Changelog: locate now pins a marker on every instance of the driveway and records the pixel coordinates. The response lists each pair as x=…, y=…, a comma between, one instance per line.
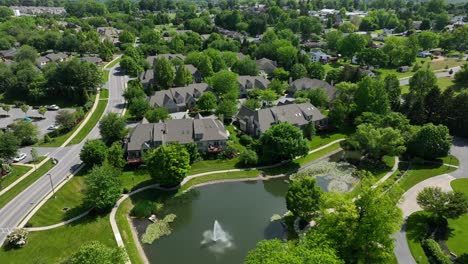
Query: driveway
x=42, y=125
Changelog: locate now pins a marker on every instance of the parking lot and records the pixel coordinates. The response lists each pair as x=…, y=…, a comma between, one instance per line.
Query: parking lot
x=42, y=125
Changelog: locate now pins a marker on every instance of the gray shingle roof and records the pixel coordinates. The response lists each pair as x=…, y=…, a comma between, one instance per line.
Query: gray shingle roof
x=307, y=84
x=266, y=65
x=253, y=81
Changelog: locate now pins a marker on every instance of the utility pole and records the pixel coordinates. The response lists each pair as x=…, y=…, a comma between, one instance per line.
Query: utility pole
x=51, y=184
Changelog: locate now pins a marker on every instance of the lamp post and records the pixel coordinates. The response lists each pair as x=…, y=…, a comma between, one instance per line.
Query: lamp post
x=51, y=184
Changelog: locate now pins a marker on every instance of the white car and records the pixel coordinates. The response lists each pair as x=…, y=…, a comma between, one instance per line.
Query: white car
x=53, y=127
x=53, y=107
x=20, y=157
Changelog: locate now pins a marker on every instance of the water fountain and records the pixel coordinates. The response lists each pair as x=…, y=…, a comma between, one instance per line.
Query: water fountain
x=217, y=240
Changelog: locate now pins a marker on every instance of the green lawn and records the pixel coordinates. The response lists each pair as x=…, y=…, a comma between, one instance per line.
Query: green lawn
x=415, y=231
x=113, y=63
x=421, y=172
x=93, y=120
x=450, y=159
x=220, y=176
x=69, y=196
x=104, y=94
x=17, y=171
x=105, y=76
x=126, y=232
x=443, y=84
x=39, y=160
x=458, y=241
x=323, y=138
x=213, y=165
x=13, y=192
x=56, y=245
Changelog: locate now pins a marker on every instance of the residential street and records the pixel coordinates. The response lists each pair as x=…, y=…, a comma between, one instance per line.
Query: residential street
x=68, y=160
x=408, y=202
x=405, y=81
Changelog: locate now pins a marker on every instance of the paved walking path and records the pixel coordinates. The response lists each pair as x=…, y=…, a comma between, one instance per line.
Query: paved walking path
x=389, y=174
x=42, y=228
x=6, y=189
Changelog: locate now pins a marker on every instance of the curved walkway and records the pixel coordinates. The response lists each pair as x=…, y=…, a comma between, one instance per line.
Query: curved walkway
x=409, y=205
x=42, y=228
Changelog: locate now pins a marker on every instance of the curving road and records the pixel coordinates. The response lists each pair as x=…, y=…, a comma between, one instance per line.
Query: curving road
x=409, y=205
x=18, y=208
x=438, y=74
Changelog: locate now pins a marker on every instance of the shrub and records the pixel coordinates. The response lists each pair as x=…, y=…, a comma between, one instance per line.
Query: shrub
x=145, y=209
x=47, y=139
x=248, y=157
x=434, y=252
x=18, y=238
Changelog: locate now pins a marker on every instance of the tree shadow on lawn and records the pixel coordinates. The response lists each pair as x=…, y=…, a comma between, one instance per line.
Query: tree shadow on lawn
x=421, y=225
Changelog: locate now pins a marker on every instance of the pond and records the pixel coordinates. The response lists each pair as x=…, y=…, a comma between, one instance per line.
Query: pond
x=242, y=212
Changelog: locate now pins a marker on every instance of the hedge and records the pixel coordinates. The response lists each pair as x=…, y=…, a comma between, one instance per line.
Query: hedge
x=434, y=252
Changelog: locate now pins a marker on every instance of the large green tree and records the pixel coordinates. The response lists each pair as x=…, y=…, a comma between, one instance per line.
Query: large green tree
x=303, y=198
x=9, y=145
x=157, y=114
x=103, y=187
x=115, y=155
x=163, y=73
x=206, y=102
x=112, y=128
x=422, y=82
x=352, y=44
x=168, y=165
x=374, y=143
x=96, y=252
x=283, y=142
x=442, y=204
x=25, y=131
x=94, y=152
x=431, y=142
x=393, y=89
x=245, y=66
x=371, y=96
x=224, y=84
x=461, y=77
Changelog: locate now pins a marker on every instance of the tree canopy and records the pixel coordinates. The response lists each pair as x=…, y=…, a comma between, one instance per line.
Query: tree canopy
x=103, y=187
x=168, y=165
x=283, y=142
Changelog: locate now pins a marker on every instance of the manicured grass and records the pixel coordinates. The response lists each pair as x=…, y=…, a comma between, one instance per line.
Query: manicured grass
x=460, y=185
x=458, y=239
x=126, y=232
x=70, y=196
x=104, y=94
x=13, y=192
x=93, y=120
x=213, y=165
x=17, y=171
x=450, y=159
x=311, y=157
x=110, y=65
x=326, y=137
x=133, y=179
x=39, y=160
x=105, y=76
x=444, y=83
x=421, y=172
x=220, y=176
x=441, y=64
x=58, y=141
x=56, y=245
x=415, y=231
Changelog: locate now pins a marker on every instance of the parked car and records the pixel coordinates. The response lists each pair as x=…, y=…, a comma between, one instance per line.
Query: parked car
x=53, y=107
x=53, y=127
x=20, y=157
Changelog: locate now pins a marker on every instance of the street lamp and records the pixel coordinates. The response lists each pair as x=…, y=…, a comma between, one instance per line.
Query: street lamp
x=51, y=184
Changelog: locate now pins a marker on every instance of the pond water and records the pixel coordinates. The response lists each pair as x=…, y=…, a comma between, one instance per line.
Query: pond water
x=242, y=212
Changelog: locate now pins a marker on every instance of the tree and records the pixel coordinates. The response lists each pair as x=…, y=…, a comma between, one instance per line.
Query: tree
x=9, y=145
x=227, y=108
x=94, y=152
x=157, y=114
x=24, y=108
x=138, y=107
x=25, y=131
x=65, y=120
x=287, y=56
x=372, y=57
x=252, y=103
x=401, y=51
x=115, y=157
x=205, y=66
x=422, y=82
x=298, y=71
x=182, y=76
x=374, y=143
x=333, y=39
x=103, y=187
x=206, y=102
x=96, y=252
x=268, y=96
x=315, y=70
x=278, y=86
x=225, y=82
x=316, y=96
x=428, y=40
x=245, y=66
x=5, y=12
x=393, y=89
x=352, y=44
x=283, y=142
x=26, y=53
x=163, y=73
x=248, y=157
x=431, y=142
x=442, y=204
x=168, y=165
x=303, y=198
x=193, y=152
x=112, y=128
x=42, y=110
x=34, y=155
x=6, y=108
x=280, y=73
x=130, y=66
x=126, y=37
x=371, y=96
x=461, y=77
